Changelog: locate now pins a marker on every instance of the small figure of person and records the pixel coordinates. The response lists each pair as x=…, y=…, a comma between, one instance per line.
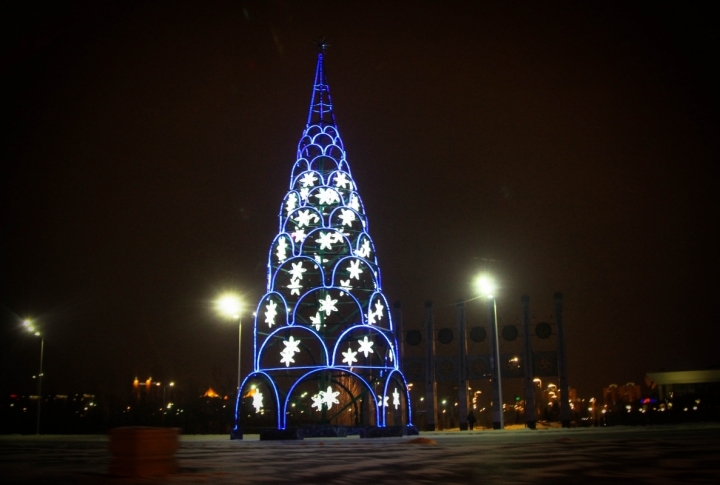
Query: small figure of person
x=471, y=420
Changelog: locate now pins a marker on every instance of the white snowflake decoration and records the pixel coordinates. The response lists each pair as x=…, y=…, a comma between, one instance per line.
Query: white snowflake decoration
x=298, y=235
x=325, y=241
x=327, y=196
x=383, y=401
x=365, y=346
x=379, y=309
x=317, y=401
x=370, y=317
x=354, y=269
x=308, y=179
x=291, y=348
x=316, y=321
x=396, y=398
x=327, y=398
x=330, y=397
x=291, y=203
x=345, y=285
x=341, y=180
x=305, y=217
x=294, y=286
x=257, y=401
x=304, y=192
x=354, y=202
x=281, y=251
x=349, y=356
x=270, y=313
x=297, y=271
x=327, y=305
x=364, y=251
x=347, y=216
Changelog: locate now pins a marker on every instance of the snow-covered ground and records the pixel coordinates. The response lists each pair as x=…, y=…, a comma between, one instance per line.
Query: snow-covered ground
x=638, y=455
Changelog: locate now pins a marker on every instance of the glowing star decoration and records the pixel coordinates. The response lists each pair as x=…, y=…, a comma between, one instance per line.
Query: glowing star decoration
x=294, y=286
x=298, y=235
x=316, y=321
x=308, y=179
x=365, y=346
x=329, y=397
x=304, y=192
x=354, y=202
x=347, y=217
x=345, y=285
x=291, y=348
x=317, y=401
x=326, y=239
x=396, y=398
x=328, y=305
x=327, y=196
x=370, y=317
x=281, y=251
x=383, y=401
x=257, y=401
x=270, y=313
x=291, y=203
x=349, y=356
x=341, y=181
x=304, y=217
x=354, y=269
x=297, y=271
x=364, y=251
x=379, y=309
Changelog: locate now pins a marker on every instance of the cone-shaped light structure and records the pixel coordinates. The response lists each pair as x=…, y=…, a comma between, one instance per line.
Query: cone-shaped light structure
x=325, y=352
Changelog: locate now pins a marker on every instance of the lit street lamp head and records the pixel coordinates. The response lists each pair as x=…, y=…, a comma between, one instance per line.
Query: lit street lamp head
x=229, y=305
x=485, y=286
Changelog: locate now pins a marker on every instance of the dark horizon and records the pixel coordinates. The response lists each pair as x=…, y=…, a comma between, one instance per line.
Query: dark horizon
x=561, y=147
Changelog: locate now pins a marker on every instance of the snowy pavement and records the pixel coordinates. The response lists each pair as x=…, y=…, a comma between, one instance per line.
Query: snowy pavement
x=638, y=455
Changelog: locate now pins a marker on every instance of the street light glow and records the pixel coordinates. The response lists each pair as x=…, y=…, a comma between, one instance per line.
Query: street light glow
x=485, y=286
x=229, y=305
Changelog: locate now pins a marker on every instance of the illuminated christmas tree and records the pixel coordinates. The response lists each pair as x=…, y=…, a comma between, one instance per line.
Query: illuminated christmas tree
x=324, y=348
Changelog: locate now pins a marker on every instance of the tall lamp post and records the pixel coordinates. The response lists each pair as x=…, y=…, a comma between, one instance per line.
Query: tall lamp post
x=487, y=288
x=28, y=324
x=229, y=305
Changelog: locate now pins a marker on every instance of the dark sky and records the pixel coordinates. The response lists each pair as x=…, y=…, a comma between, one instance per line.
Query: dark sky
x=148, y=146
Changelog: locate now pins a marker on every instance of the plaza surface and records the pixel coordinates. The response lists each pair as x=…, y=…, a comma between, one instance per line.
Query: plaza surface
x=639, y=455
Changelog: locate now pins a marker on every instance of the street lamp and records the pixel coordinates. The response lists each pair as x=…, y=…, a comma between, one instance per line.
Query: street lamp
x=486, y=287
x=29, y=326
x=164, y=409
x=229, y=305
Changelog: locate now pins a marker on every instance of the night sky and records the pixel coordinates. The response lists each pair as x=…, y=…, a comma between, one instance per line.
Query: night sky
x=561, y=146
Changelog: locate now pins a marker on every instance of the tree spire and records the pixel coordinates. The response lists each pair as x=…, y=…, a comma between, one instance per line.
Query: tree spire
x=321, y=112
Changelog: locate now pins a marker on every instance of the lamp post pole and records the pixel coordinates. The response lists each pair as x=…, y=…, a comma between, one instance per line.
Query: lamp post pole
x=498, y=420
x=40, y=376
x=239, y=352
